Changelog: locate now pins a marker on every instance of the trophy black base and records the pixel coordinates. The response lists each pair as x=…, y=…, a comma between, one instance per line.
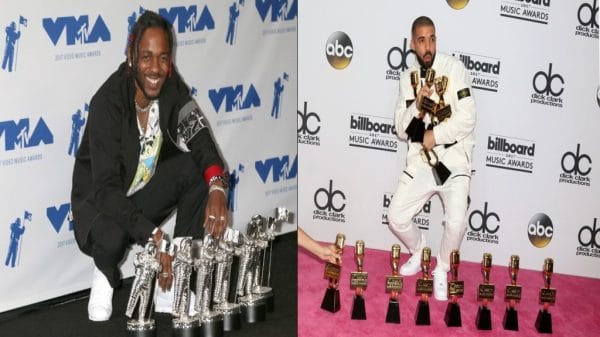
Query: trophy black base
x=232, y=321
x=484, y=319
x=212, y=328
x=543, y=323
x=393, y=312
x=141, y=333
x=270, y=299
x=187, y=332
x=422, y=316
x=254, y=312
x=452, y=316
x=331, y=300
x=511, y=319
x=358, y=308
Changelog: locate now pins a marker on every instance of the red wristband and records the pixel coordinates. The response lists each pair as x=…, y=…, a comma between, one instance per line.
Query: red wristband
x=211, y=171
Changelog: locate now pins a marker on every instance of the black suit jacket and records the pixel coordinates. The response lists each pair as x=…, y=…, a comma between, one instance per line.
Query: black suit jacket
x=108, y=156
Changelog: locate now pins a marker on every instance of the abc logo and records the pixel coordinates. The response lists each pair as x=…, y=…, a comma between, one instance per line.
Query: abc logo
x=540, y=230
x=339, y=50
x=457, y=4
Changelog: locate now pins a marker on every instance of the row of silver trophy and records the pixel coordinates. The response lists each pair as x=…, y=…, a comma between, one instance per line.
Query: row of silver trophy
x=212, y=259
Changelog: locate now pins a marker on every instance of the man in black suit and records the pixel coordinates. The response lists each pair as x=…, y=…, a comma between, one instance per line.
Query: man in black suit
x=146, y=151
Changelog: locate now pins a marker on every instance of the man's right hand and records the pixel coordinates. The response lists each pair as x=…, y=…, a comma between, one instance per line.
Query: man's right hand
x=423, y=92
x=165, y=276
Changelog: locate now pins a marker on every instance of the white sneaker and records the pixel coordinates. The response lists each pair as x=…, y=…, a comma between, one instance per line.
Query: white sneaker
x=440, y=284
x=413, y=265
x=100, y=304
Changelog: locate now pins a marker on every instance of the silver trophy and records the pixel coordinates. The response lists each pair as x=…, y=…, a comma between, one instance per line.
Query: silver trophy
x=146, y=266
x=253, y=305
x=267, y=236
x=211, y=321
x=232, y=313
x=183, y=323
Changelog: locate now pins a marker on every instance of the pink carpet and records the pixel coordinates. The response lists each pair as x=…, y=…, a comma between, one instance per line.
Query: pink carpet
x=576, y=313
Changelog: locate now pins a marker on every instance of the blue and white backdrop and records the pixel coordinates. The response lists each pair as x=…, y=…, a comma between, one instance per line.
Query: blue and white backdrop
x=239, y=59
x=534, y=70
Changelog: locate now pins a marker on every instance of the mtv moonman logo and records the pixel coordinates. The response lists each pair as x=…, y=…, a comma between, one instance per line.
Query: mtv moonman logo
x=17, y=230
x=11, y=48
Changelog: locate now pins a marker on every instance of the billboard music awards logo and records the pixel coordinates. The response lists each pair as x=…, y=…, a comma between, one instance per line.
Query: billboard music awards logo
x=548, y=87
x=510, y=153
x=76, y=31
x=540, y=230
x=278, y=86
x=189, y=20
x=422, y=219
x=11, y=47
x=234, y=98
x=373, y=132
x=483, y=226
x=589, y=240
x=17, y=230
x=277, y=11
x=232, y=192
x=576, y=167
x=309, y=125
x=339, y=50
x=537, y=11
x=280, y=169
x=77, y=122
x=587, y=18
x=18, y=136
x=61, y=217
x=397, y=60
x=484, y=70
x=329, y=204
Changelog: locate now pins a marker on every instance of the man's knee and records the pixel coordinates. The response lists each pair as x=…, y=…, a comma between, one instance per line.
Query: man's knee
x=399, y=221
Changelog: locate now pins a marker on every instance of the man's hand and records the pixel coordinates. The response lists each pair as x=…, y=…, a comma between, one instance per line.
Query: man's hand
x=423, y=92
x=165, y=277
x=215, y=215
x=428, y=140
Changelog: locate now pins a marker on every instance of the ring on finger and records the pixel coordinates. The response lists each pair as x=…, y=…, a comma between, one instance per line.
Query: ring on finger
x=222, y=218
x=211, y=217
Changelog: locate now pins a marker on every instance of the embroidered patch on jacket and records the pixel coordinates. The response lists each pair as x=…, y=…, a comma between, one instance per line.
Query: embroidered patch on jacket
x=462, y=93
x=191, y=121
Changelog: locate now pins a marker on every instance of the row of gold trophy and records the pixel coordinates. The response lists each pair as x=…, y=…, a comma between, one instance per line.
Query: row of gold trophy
x=424, y=288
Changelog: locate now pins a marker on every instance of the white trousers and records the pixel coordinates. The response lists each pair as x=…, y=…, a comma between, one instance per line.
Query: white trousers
x=414, y=189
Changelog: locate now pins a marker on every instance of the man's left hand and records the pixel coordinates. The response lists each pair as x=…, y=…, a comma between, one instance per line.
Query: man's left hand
x=215, y=215
x=428, y=140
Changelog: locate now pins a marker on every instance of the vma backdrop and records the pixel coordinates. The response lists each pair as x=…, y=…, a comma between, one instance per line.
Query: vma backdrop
x=533, y=66
x=239, y=59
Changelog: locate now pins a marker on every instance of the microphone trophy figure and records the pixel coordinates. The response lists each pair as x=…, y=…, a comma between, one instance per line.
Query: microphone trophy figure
x=232, y=313
x=146, y=266
x=211, y=321
x=393, y=285
x=543, y=323
x=331, y=300
x=456, y=289
x=183, y=324
x=485, y=294
x=512, y=295
x=358, y=281
x=253, y=306
x=424, y=289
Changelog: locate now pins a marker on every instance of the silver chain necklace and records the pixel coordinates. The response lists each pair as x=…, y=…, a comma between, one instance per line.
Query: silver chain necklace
x=138, y=108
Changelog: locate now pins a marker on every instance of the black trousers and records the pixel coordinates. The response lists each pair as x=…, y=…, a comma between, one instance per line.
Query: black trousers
x=177, y=184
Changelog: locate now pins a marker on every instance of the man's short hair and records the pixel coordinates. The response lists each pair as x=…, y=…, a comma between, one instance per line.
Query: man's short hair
x=421, y=21
x=147, y=20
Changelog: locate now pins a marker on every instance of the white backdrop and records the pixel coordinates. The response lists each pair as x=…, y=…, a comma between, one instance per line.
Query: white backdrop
x=62, y=53
x=534, y=70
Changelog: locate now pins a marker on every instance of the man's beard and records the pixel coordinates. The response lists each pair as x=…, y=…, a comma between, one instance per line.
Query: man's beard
x=422, y=62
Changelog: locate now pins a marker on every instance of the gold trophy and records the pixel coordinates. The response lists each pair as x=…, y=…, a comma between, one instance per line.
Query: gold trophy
x=456, y=289
x=331, y=300
x=427, y=105
x=512, y=295
x=393, y=285
x=424, y=289
x=485, y=294
x=358, y=281
x=442, y=111
x=414, y=81
x=543, y=323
